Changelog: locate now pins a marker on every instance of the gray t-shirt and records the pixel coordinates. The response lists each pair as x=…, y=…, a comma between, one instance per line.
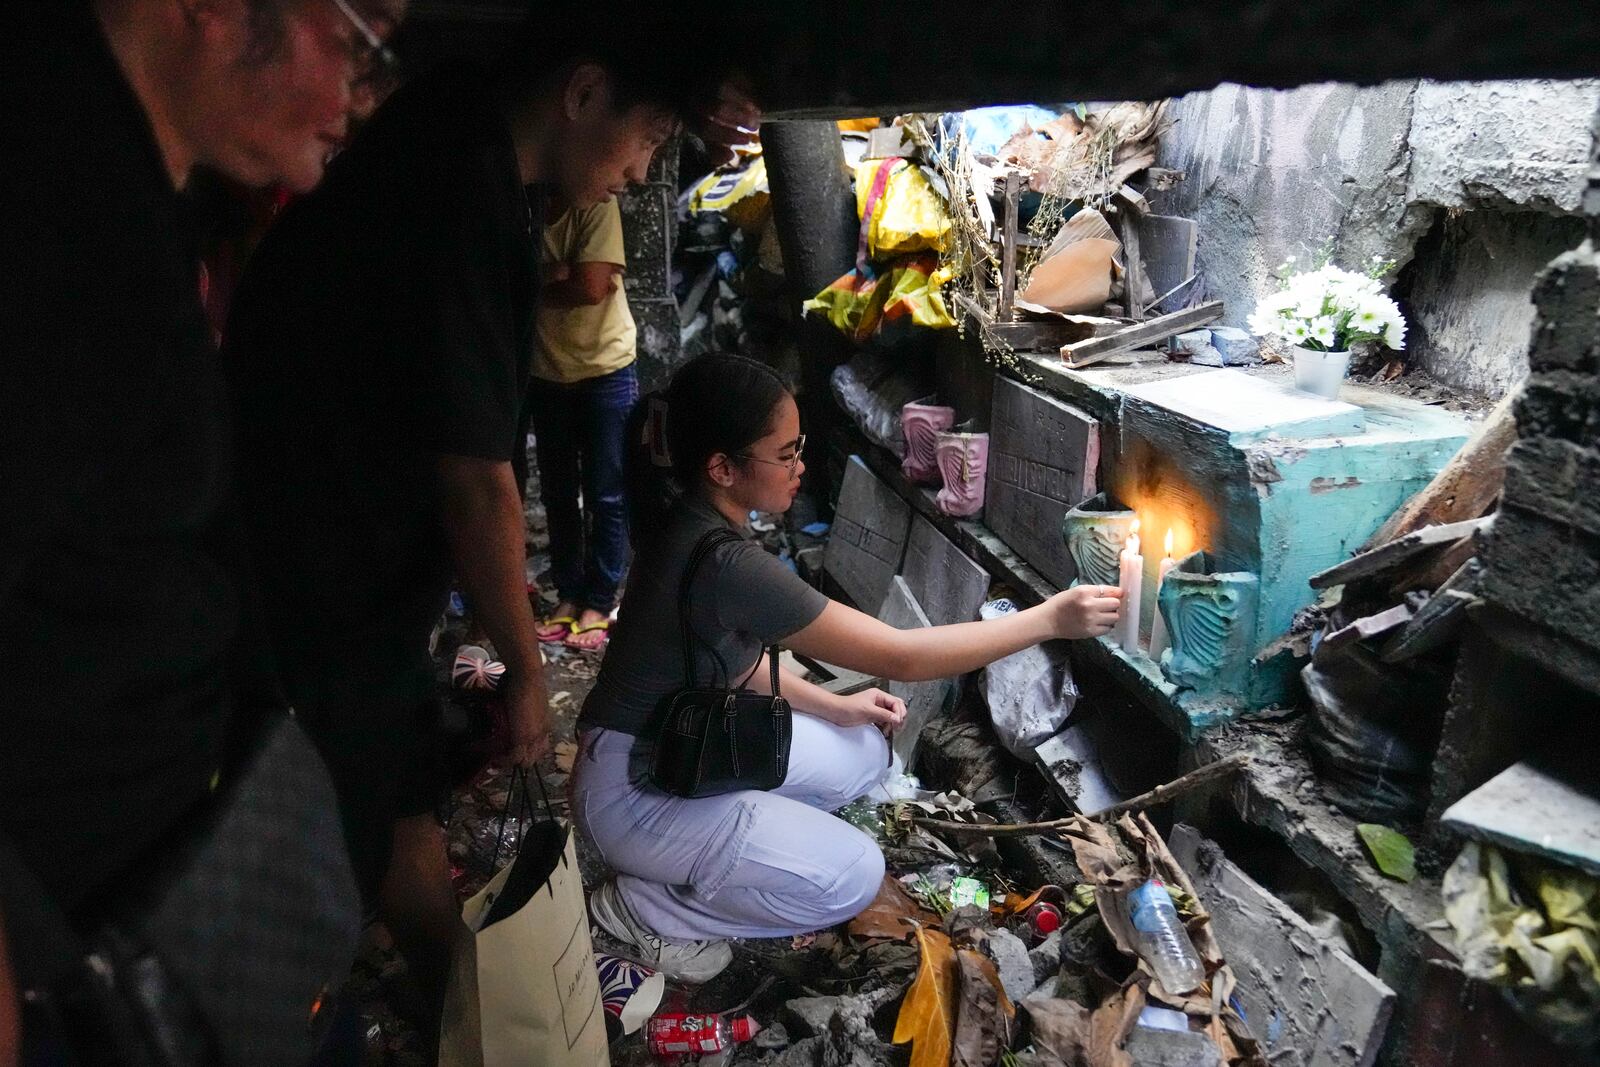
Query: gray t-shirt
x=743, y=598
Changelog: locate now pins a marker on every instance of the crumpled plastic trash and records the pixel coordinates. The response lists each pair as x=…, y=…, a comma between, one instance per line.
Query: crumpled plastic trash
x=1534, y=928
x=1030, y=693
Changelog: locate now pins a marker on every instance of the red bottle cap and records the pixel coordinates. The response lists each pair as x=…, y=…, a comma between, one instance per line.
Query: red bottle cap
x=744, y=1028
x=1045, y=918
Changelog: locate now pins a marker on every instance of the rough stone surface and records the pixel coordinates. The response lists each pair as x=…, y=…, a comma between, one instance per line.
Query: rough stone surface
x=1308, y=1001
x=1012, y=960
x=1236, y=346
x=1368, y=171
x=649, y=224
x=1148, y=1047
x=868, y=537
x=809, y=1016
x=1044, y=455
x=1046, y=958
x=948, y=584
x=1206, y=355
x=1468, y=294
x=1191, y=341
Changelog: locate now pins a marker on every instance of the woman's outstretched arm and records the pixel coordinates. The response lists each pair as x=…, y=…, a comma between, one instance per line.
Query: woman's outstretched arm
x=849, y=638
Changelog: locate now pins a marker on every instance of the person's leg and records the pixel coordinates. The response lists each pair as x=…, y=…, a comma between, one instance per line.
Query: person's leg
x=555, y=429
x=608, y=401
x=748, y=864
x=418, y=904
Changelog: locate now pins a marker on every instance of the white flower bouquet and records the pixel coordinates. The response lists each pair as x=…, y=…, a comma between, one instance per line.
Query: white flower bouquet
x=1327, y=309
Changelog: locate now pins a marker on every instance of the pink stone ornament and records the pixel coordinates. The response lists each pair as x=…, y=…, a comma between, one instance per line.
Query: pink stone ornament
x=921, y=424
x=964, y=464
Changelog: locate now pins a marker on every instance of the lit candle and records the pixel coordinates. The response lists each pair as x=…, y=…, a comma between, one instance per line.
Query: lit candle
x=1132, y=582
x=1158, y=625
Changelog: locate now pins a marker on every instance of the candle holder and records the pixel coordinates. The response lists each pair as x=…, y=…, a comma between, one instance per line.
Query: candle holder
x=1210, y=617
x=921, y=425
x=1095, y=532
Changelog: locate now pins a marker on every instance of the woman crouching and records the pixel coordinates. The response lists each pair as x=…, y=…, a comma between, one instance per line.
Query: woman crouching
x=692, y=873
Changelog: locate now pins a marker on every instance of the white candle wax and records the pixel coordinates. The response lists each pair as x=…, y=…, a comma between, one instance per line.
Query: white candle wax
x=1158, y=625
x=1132, y=583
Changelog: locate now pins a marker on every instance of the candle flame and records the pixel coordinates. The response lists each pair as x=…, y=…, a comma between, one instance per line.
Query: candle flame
x=1169, y=542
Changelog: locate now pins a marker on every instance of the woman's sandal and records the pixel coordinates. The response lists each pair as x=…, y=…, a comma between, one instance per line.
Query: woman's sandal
x=560, y=636
x=604, y=626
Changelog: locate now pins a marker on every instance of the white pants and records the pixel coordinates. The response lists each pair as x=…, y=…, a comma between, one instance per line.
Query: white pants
x=746, y=864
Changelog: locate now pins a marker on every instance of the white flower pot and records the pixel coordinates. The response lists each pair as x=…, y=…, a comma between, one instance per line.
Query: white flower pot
x=1321, y=373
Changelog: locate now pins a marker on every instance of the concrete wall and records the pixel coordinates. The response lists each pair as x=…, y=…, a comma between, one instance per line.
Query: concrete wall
x=1275, y=173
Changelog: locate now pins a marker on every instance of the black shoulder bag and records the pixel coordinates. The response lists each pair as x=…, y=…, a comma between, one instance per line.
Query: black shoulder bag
x=719, y=740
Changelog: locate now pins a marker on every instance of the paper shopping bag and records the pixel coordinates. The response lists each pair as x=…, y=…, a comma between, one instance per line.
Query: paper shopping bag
x=523, y=989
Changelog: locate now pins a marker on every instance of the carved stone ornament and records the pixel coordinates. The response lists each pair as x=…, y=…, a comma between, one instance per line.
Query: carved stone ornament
x=1095, y=532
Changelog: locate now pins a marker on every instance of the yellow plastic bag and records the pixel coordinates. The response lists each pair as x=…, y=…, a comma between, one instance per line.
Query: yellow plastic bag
x=742, y=195
x=865, y=302
x=899, y=209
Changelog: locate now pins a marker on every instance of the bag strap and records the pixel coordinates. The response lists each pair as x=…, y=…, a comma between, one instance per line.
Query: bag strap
x=708, y=543
x=519, y=777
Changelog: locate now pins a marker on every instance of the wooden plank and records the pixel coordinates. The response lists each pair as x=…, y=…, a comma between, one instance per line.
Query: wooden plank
x=1133, y=262
x=1386, y=558
x=1440, y=619
x=1083, y=353
x=1008, y=248
x=1371, y=626
x=1308, y=1002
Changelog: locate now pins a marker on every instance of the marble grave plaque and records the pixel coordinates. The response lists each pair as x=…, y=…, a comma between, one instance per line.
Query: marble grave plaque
x=868, y=536
x=1044, y=455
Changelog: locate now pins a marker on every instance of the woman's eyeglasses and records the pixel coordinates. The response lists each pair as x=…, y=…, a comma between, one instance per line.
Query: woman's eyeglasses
x=791, y=461
x=375, y=62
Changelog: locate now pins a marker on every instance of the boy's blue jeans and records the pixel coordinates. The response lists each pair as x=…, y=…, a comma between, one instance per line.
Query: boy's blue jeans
x=578, y=431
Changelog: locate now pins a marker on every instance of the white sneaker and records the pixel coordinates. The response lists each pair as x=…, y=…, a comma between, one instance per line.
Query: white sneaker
x=686, y=961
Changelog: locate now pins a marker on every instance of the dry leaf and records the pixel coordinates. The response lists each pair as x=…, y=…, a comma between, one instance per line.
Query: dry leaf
x=558, y=699
x=893, y=914
x=983, y=1019
x=928, y=1015
x=802, y=941
x=1110, y=1025
x=565, y=753
x=1060, y=1027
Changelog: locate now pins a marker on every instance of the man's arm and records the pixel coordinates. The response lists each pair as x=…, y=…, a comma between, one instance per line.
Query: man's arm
x=483, y=520
x=574, y=285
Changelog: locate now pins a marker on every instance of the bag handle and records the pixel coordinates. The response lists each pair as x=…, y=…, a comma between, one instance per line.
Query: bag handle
x=519, y=776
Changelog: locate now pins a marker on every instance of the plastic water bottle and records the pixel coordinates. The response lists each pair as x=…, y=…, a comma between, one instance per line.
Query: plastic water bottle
x=1163, y=942
x=676, y=1034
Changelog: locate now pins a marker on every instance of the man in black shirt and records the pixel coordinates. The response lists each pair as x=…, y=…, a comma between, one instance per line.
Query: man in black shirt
x=380, y=344
x=119, y=595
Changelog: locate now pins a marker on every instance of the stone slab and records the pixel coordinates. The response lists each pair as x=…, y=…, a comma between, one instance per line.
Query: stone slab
x=1248, y=408
x=1071, y=763
x=1044, y=456
x=1537, y=809
x=925, y=701
x=947, y=582
x=1309, y=1003
x=1149, y=1047
x=868, y=538
x=1167, y=246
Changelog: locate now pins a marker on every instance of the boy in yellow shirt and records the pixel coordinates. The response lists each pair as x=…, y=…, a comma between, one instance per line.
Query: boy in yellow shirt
x=584, y=387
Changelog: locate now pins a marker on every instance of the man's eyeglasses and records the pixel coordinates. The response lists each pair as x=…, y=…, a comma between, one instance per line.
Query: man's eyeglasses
x=791, y=461
x=375, y=62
